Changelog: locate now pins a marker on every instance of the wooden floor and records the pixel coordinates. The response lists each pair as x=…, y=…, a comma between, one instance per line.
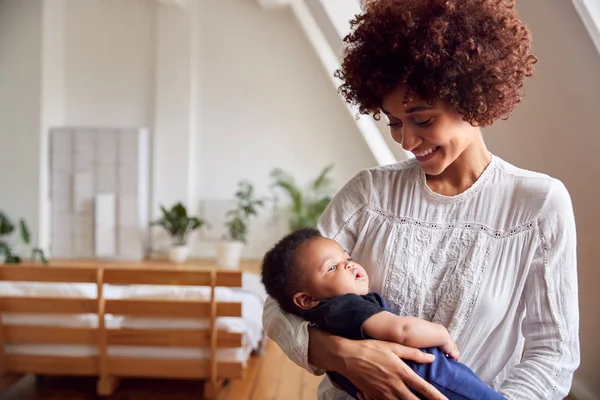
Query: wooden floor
x=270, y=377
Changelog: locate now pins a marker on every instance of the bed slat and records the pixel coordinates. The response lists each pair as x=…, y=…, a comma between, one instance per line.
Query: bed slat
x=229, y=279
x=157, y=308
x=229, y=340
x=46, y=274
x=30, y=334
x=48, y=305
x=52, y=365
x=229, y=309
x=230, y=370
x=157, y=368
x=171, y=338
x=171, y=368
x=170, y=308
x=157, y=277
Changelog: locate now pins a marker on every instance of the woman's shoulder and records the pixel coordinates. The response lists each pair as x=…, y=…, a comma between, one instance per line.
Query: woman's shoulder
x=539, y=190
x=370, y=185
x=384, y=176
x=409, y=164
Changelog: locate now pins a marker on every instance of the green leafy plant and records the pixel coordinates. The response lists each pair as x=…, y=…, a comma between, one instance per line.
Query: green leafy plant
x=178, y=223
x=306, y=205
x=7, y=228
x=247, y=205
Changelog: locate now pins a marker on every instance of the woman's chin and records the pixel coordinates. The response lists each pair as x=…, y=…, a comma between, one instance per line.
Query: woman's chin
x=433, y=167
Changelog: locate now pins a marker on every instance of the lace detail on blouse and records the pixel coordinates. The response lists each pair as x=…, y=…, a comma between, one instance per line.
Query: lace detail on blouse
x=435, y=270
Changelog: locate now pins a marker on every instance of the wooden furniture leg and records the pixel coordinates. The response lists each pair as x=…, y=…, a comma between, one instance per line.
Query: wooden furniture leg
x=107, y=385
x=8, y=380
x=211, y=385
x=212, y=389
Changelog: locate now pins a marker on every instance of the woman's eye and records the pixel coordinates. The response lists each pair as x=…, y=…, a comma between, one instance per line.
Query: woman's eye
x=424, y=123
x=333, y=268
x=394, y=124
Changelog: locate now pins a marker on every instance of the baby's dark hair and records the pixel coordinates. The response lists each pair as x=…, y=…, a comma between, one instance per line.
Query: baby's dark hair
x=279, y=273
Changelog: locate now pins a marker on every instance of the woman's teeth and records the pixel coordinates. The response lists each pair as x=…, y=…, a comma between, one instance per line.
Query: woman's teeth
x=426, y=152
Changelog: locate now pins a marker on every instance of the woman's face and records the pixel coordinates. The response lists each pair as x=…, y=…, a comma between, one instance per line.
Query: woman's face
x=435, y=134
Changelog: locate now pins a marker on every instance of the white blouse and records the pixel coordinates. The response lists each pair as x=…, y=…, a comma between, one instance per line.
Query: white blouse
x=495, y=264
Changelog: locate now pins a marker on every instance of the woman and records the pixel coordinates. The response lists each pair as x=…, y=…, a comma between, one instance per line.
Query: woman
x=456, y=235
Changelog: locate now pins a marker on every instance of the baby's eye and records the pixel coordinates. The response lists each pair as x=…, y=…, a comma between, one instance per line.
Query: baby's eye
x=333, y=268
x=349, y=259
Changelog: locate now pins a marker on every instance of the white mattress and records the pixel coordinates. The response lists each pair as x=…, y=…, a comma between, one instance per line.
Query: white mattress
x=251, y=295
x=240, y=354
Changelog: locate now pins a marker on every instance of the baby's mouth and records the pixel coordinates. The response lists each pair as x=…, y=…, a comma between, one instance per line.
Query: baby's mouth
x=358, y=275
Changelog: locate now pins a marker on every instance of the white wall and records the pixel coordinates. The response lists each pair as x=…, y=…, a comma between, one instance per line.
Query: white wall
x=20, y=102
x=176, y=111
x=52, y=101
x=556, y=131
x=110, y=62
x=266, y=102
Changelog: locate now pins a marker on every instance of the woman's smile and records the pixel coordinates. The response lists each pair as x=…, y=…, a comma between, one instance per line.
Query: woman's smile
x=426, y=155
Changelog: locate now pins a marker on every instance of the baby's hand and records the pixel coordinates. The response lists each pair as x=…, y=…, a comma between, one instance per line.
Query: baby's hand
x=451, y=349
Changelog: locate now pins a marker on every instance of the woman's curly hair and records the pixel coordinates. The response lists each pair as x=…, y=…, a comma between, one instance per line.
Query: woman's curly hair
x=473, y=55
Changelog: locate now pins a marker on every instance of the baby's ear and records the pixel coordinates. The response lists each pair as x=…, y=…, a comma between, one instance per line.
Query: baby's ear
x=304, y=301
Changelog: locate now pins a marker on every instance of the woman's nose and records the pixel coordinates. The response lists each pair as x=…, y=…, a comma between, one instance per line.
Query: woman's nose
x=409, y=140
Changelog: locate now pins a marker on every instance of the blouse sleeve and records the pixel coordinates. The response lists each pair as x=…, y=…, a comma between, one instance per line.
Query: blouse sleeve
x=338, y=221
x=551, y=323
x=289, y=331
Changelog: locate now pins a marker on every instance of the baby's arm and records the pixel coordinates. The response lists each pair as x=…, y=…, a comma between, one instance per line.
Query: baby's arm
x=410, y=331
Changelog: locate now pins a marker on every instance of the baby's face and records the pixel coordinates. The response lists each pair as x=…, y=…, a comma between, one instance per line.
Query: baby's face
x=329, y=271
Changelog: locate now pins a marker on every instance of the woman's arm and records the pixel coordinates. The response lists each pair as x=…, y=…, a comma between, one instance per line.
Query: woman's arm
x=375, y=367
x=551, y=324
x=290, y=332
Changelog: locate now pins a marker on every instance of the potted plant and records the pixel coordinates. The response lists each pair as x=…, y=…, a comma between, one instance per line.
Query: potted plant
x=7, y=254
x=230, y=249
x=179, y=225
x=306, y=205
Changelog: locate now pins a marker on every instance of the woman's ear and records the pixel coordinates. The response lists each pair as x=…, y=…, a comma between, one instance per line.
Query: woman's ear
x=304, y=301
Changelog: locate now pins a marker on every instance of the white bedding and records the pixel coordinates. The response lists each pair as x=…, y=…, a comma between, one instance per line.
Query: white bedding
x=251, y=295
x=239, y=354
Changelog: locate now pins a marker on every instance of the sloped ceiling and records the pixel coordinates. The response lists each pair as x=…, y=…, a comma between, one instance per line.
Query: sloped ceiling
x=589, y=11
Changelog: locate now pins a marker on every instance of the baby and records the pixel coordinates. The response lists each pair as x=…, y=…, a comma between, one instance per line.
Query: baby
x=314, y=277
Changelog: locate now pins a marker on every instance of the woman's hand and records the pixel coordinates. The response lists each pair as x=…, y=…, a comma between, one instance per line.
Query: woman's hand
x=377, y=371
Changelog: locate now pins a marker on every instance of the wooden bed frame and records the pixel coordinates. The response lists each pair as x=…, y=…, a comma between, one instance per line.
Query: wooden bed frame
x=109, y=369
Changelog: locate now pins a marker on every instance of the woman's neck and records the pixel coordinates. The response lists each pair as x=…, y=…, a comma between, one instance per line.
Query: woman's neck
x=464, y=171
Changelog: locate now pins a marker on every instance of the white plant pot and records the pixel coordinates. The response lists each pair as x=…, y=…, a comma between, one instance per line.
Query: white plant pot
x=178, y=254
x=229, y=254
x=2, y=259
